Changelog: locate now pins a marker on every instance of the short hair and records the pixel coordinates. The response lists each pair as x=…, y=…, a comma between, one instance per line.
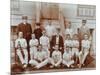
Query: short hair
x=24, y=17
x=58, y=29
x=38, y=24
x=69, y=22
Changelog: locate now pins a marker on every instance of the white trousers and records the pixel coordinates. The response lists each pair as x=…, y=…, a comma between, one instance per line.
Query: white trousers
x=75, y=51
x=68, y=63
x=55, y=63
x=24, y=60
x=82, y=56
x=33, y=51
x=39, y=64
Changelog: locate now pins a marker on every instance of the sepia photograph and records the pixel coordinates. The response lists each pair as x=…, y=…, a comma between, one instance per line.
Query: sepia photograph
x=52, y=37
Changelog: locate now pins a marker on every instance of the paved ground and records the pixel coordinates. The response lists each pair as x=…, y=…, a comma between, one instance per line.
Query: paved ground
x=90, y=64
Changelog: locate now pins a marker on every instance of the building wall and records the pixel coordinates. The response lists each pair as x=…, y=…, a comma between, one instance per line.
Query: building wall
x=69, y=11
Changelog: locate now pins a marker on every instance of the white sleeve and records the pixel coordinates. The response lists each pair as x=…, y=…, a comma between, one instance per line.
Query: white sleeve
x=77, y=44
x=37, y=42
x=25, y=43
x=65, y=43
x=40, y=40
x=60, y=55
x=82, y=43
x=63, y=55
x=30, y=43
x=89, y=44
x=16, y=44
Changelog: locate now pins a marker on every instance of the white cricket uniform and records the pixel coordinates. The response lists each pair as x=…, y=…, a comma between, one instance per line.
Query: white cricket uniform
x=85, y=50
x=42, y=56
x=69, y=31
x=75, y=50
x=44, y=41
x=23, y=45
x=33, y=47
x=56, y=58
x=67, y=58
x=68, y=43
x=50, y=30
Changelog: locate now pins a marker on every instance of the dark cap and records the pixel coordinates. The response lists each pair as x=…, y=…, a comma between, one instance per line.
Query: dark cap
x=84, y=21
x=24, y=17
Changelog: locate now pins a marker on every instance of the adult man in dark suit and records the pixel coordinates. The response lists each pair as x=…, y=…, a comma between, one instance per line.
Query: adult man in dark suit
x=57, y=40
x=25, y=27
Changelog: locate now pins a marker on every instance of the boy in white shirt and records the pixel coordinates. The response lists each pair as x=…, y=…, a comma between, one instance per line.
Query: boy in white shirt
x=44, y=40
x=50, y=29
x=33, y=43
x=21, y=48
x=75, y=48
x=56, y=57
x=68, y=41
x=69, y=30
x=85, y=43
x=67, y=57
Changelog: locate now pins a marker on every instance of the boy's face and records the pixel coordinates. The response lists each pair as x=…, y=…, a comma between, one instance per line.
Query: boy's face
x=69, y=25
x=33, y=36
x=58, y=32
x=75, y=37
x=24, y=20
x=68, y=36
x=20, y=34
x=39, y=48
x=86, y=37
x=67, y=49
x=44, y=32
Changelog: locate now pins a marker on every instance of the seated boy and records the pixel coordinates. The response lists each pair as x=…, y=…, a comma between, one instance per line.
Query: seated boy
x=33, y=46
x=67, y=57
x=40, y=59
x=56, y=57
x=21, y=48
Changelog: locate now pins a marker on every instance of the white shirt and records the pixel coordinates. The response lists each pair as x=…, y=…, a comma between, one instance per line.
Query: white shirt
x=40, y=55
x=22, y=42
x=56, y=55
x=86, y=44
x=44, y=40
x=57, y=39
x=68, y=43
x=50, y=30
x=33, y=42
x=75, y=43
